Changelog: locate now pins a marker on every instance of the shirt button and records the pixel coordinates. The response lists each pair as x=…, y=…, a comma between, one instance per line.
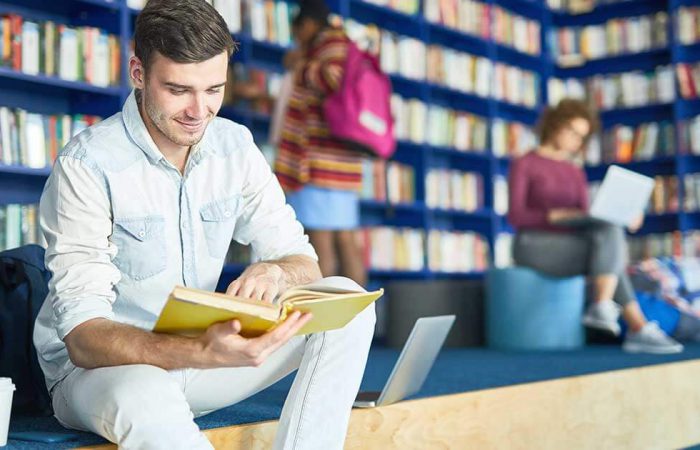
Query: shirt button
x=142, y=234
x=227, y=214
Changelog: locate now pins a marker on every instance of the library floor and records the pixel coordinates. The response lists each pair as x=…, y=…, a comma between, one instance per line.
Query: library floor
x=455, y=371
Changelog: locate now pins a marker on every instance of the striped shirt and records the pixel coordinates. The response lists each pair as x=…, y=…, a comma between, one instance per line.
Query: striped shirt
x=308, y=154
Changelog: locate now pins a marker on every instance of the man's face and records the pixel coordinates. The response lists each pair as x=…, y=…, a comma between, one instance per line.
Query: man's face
x=181, y=99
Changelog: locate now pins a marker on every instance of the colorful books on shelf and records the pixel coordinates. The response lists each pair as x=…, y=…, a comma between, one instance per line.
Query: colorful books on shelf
x=388, y=248
x=616, y=91
x=454, y=190
x=624, y=144
x=511, y=139
x=85, y=54
x=687, y=25
x=689, y=135
x=688, y=75
x=33, y=140
x=418, y=122
x=663, y=244
x=500, y=195
x=515, y=31
x=691, y=192
x=503, y=250
x=405, y=6
x=19, y=225
x=486, y=22
x=388, y=181
x=268, y=20
x=468, y=16
x=629, y=35
x=265, y=85
x=457, y=252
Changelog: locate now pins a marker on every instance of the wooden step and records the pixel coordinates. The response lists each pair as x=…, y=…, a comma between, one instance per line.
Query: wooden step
x=653, y=407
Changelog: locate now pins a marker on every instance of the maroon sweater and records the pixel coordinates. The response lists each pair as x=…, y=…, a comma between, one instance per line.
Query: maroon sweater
x=538, y=185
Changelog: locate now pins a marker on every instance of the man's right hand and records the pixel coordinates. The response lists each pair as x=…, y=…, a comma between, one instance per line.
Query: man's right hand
x=224, y=347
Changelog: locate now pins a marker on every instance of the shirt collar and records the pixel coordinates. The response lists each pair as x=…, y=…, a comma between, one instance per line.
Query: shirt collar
x=142, y=138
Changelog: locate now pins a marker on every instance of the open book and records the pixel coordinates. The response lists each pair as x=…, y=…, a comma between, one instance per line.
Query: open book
x=333, y=301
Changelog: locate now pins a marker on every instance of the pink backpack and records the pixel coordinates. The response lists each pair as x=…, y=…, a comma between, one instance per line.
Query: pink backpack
x=359, y=112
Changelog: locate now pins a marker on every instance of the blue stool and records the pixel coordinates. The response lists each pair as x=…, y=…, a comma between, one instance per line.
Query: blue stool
x=526, y=310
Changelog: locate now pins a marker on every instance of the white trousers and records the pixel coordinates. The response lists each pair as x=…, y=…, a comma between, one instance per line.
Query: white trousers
x=146, y=407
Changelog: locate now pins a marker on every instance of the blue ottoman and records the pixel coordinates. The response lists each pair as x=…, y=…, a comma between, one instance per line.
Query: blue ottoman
x=526, y=310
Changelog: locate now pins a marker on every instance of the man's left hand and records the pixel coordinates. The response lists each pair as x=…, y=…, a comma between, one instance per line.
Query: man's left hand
x=260, y=281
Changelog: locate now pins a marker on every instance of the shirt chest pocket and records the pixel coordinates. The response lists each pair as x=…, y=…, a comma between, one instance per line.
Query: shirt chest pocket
x=141, y=246
x=218, y=221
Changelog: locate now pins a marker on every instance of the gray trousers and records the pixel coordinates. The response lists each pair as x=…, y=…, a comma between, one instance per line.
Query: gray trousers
x=596, y=249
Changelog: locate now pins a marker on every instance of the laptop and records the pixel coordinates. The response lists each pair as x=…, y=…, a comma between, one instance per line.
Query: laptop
x=621, y=198
x=414, y=363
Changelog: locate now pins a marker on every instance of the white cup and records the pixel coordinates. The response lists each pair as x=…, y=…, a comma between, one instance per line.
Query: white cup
x=6, y=391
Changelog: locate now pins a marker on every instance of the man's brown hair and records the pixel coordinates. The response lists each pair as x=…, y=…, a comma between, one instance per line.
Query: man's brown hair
x=553, y=120
x=185, y=31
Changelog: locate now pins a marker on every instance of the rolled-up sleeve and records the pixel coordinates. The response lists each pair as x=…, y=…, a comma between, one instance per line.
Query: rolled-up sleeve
x=265, y=221
x=76, y=221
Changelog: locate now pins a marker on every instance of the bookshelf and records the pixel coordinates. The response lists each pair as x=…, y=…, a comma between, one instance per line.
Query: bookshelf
x=51, y=95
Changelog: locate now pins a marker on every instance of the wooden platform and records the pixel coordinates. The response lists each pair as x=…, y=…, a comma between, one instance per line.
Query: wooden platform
x=654, y=407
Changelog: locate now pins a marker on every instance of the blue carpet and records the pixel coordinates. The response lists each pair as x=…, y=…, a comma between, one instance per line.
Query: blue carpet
x=456, y=370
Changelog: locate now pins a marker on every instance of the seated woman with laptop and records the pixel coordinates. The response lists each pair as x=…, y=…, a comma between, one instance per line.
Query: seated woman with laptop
x=548, y=195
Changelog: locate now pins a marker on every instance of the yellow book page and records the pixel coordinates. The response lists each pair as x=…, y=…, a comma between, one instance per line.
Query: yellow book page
x=192, y=319
x=330, y=314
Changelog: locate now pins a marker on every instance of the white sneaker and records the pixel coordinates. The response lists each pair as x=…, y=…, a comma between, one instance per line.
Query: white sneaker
x=603, y=315
x=651, y=339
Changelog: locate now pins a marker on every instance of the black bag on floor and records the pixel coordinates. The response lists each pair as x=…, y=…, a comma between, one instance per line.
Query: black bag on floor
x=23, y=288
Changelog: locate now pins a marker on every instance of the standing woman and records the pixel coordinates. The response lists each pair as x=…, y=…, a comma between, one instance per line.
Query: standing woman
x=547, y=187
x=320, y=174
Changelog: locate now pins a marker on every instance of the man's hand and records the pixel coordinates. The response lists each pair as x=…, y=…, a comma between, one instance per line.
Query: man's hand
x=224, y=347
x=261, y=281
x=560, y=214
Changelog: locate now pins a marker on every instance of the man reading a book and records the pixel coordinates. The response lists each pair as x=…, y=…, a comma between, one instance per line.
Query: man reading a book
x=148, y=199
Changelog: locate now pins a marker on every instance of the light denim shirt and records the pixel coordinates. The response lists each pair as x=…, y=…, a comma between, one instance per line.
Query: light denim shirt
x=123, y=226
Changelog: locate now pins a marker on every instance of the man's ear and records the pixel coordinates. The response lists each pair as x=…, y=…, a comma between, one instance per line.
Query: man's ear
x=137, y=73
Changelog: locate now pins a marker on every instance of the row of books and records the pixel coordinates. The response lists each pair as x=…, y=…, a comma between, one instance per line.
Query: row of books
x=688, y=79
x=454, y=189
x=622, y=90
x=263, y=20
x=580, y=6
x=624, y=144
x=19, y=225
x=390, y=181
x=689, y=135
x=503, y=250
x=412, y=58
x=267, y=84
x=418, y=122
x=574, y=45
x=487, y=22
x=33, y=140
x=511, y=139
x=481, y=76
x=664, y=197
x=387, y=248
x=691, y=192
x=410, y=7
x=687, y=24
x=660, y=244
x=85, y=54
x=500, y=195
x=457, y=252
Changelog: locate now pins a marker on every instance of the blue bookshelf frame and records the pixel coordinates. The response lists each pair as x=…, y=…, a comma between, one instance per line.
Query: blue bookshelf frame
x=52, y=95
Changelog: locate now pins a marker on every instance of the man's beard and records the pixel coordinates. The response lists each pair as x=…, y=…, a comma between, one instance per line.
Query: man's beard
x=162, y=123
